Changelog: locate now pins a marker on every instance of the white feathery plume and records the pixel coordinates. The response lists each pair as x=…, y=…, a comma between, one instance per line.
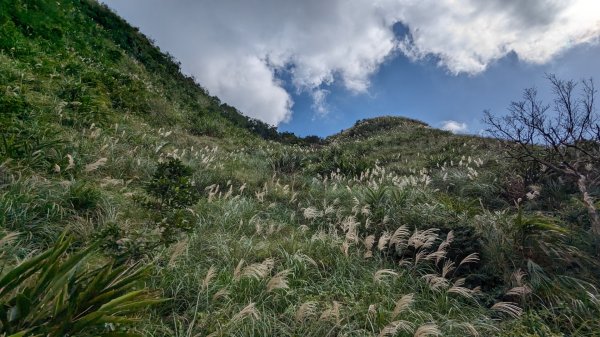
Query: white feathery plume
x=447, y=268
x=329, y=210
x=381, y=273
x=311, y=213
x=437, y=256
x=95, y=165
x=345, y=247
x=519, y=291
x=400, y=235
x=369, y=241
x=420, y=255
x=402, y=304
x=248, y=311
x=392, y=328
x=210, y=274
x=258, y=270
x=383, y=240
x=356, y=206
x=435, y=281
x=279, y=281
x=457, y=288
x=372, y=311
x=306, y=310
x=305, y=258
x=71, y=162
x=428, y=329
x=471, y=258
x=222, y=293
x=509, y=308
x=333, y=312
x=178, y=250
x=237, y=272
x=518, y=276
x=470, y=328
x=446, y=243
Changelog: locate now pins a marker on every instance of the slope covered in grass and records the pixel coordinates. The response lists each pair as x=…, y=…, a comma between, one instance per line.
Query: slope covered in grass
x=390, y=228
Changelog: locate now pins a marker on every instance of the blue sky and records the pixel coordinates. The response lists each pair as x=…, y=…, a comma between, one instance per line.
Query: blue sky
x=315, y=67
x=425, y=91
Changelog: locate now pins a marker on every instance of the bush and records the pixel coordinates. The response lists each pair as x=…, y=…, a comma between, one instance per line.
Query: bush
x=83, y=197
x=201, y=125
x=286, y=162
x=171, y=185
x=336, y=159
x=172, y=190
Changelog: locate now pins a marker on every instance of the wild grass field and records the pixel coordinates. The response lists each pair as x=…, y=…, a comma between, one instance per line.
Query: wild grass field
x=134, y=203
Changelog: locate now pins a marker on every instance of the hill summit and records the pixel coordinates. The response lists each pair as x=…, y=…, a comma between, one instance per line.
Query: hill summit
x=372, y=126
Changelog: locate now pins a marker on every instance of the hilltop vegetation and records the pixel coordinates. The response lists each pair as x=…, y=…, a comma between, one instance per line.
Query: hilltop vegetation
x=111, y=159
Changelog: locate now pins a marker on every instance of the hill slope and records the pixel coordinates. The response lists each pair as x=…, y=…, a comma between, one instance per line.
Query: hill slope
x=390, y=228
x=80, y=58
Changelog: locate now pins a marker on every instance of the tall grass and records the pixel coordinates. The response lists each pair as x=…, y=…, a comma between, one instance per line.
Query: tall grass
x=390, y=228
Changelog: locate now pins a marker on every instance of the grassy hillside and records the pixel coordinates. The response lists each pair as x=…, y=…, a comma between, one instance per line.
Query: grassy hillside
x=113, y=160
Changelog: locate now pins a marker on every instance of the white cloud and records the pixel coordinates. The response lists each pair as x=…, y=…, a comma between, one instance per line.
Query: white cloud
x=319, y=97
x=248, y=83
x=236, y=47
x=469, y=35
x=454, y=126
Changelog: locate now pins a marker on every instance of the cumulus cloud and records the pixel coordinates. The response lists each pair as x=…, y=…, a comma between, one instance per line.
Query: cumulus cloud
x=234, y=48
x=237, y=48
x=467, y=37
x=248, y=83
x=454, y=126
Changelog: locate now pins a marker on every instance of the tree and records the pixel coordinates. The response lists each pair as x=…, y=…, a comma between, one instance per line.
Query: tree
x=563, y=136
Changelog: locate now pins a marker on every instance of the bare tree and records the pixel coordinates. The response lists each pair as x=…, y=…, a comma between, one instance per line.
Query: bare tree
x=563, y=136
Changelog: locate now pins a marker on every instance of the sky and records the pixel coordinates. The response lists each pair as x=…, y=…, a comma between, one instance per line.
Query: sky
x=315, y=67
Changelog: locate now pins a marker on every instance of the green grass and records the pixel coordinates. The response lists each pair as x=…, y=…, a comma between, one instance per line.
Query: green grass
x=278, y=239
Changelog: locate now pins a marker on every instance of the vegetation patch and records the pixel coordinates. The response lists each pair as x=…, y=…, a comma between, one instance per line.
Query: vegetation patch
x=390, y=228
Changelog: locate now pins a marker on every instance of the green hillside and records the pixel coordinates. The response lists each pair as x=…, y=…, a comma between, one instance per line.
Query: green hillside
x=132, y=201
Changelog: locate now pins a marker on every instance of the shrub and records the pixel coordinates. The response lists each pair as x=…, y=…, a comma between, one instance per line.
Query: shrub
x=378, y=200
x=83, y=197
x=171, y=185
x=172, y=190
x=205, y=126
x=286, y=162
x=336, y=159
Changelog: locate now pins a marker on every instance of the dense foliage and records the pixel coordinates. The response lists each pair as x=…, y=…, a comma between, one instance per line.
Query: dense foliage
x=390, y=228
